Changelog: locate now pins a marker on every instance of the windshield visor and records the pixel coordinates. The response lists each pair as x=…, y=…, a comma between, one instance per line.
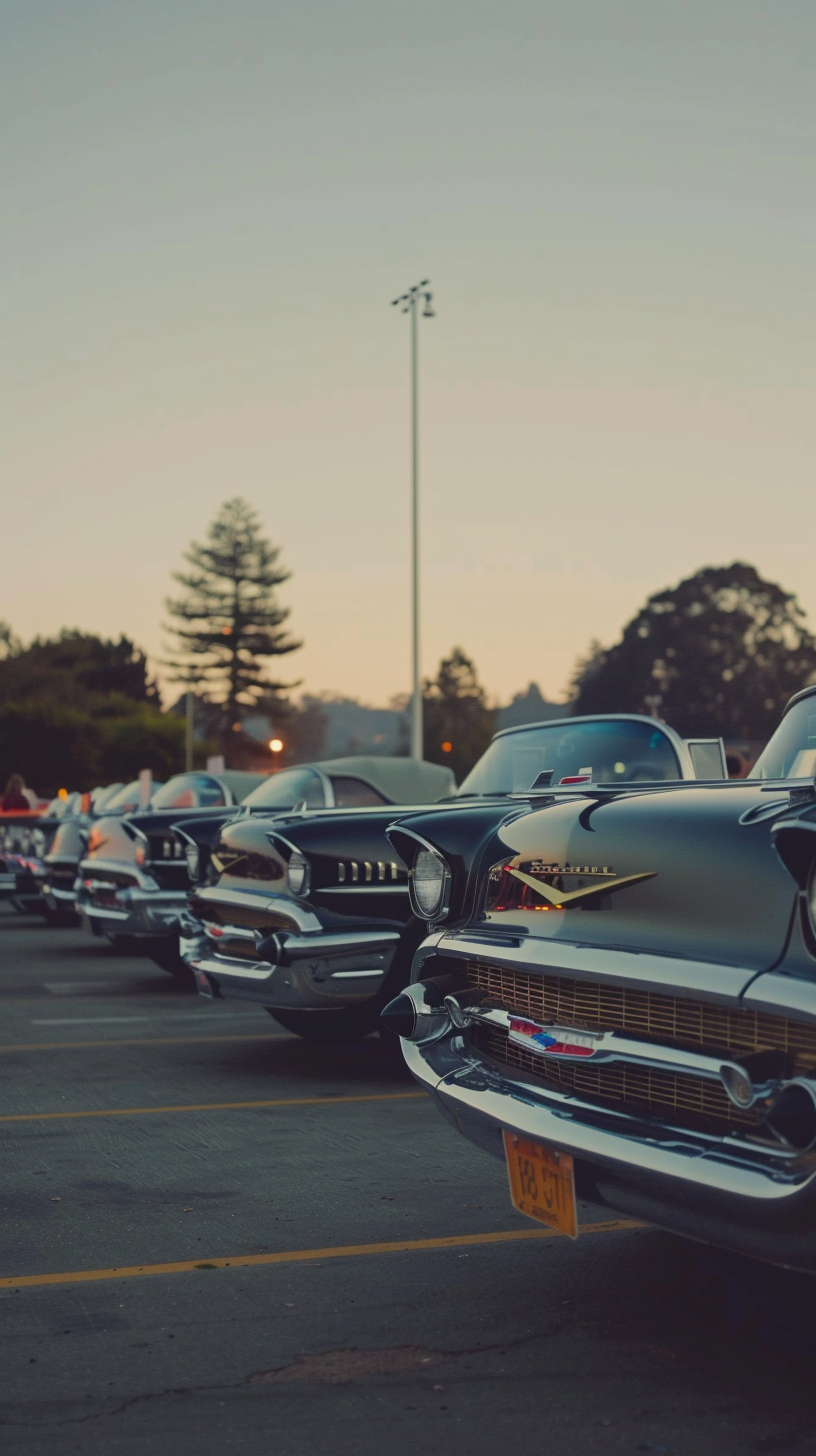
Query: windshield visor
x=626, y=751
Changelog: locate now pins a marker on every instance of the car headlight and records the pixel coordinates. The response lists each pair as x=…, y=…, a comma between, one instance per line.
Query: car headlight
x=430, y=886
x=298, y=873
x=811, y=897
x=193, y=858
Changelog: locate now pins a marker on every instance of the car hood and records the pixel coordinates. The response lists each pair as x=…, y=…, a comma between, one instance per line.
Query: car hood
x=689, y=873
x=108, y=839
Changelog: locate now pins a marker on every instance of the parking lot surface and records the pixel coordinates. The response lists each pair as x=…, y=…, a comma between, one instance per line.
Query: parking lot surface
x=217, y=1238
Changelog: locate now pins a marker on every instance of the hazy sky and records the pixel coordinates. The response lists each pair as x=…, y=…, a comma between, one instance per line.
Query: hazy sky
x=206, y=211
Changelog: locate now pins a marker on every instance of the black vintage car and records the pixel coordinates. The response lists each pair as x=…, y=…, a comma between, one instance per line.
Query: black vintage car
x=309, y=915
x=25, y=840
x=618, y=996
x=137, y=870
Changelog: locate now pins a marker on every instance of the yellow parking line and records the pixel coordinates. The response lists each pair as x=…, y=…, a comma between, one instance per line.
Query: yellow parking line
x=47, y=1046
x=296, y=1256
x=211, y=1106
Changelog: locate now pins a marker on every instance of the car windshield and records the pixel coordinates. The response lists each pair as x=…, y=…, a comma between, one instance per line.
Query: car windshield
x=124, y=800
x=190, y=791
x=609, y=751
x=791, y=753
x=284, y=790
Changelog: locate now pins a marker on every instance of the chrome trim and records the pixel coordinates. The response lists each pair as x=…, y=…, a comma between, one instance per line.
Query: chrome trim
x=355, y=975
x=343, y=889
x=342, y=942
x=615, y=1046
x=305, y=921
x=481, y=1101
x=91, y=867
x=229, y=932
x=301, y=972
x=233, y=966
x=682, y=978
x=447, y=883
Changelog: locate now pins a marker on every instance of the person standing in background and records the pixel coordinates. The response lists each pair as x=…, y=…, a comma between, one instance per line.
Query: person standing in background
x=15, y=796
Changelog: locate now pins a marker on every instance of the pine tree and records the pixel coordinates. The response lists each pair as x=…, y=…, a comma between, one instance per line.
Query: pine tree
x=228, y=622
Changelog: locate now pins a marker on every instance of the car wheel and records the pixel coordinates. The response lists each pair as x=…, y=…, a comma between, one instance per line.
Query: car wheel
x=328, y=1027
x=165, y=954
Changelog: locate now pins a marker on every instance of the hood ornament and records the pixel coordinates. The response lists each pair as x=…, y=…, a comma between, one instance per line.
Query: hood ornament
x=559, y=899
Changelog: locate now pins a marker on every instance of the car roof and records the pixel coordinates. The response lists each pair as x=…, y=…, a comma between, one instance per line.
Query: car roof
x=403, y=780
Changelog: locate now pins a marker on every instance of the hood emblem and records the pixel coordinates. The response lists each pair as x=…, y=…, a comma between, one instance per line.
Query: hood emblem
x=561, y=898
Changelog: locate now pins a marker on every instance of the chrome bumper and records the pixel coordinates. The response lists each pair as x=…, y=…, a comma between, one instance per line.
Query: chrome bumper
x=754, y=1198
x=306, y=968
x=136, y=912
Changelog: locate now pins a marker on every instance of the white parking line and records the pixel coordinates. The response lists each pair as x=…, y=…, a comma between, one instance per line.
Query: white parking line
x=78, y=988
x=85, y=1020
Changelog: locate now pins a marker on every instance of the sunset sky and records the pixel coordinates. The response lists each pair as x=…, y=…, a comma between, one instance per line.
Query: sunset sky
x=207, y=208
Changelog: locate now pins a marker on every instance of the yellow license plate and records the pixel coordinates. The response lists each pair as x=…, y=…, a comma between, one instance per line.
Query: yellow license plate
x=542, y=1183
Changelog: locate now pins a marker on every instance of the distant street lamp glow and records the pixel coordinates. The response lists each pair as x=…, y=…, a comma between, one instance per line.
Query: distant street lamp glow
x=276, y=745
x=447, y=747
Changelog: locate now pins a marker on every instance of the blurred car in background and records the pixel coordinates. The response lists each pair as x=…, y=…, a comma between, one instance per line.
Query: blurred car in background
x=24, y=839
x=55, y=873
x=135, y=878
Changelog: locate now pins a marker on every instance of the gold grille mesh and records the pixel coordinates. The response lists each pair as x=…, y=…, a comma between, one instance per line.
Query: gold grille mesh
x=649, y=1013
x=691, y=1100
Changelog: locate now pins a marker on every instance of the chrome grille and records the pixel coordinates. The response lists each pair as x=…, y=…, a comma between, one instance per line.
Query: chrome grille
x=244, y=915
x=660, y=1017
x=692, y=1101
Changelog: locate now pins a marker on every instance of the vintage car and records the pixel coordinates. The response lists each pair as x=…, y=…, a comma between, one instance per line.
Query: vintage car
x=617, y=996
x=136, y=874
x=55, y=873
x=309, y=916
x=128, y=888
x=25, y=837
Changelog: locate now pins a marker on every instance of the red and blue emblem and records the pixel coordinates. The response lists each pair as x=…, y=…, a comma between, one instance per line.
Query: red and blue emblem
x=554, y=1041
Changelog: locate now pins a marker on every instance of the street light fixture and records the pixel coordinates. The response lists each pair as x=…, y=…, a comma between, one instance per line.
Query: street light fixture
x=417, y=301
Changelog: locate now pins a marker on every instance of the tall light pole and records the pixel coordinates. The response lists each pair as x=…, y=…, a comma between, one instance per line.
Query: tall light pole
x=410, y=302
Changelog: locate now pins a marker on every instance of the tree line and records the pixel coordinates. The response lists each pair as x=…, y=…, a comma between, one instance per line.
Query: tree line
x=720, y=653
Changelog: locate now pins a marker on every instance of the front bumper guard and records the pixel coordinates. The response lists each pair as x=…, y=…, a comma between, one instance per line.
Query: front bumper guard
x=755, y=1198
x=315, y=970
x=137, y=912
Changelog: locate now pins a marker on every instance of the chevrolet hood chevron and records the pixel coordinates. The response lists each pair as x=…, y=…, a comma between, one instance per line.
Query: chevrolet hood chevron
x=676, y=872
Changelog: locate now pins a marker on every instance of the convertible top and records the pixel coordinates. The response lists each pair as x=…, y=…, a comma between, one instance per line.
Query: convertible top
x=402, y=780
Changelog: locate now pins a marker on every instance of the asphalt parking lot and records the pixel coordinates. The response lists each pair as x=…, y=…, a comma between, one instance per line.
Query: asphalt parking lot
x=217, y=1238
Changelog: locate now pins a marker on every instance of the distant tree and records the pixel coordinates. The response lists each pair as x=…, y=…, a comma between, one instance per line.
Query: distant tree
x=76, y=665
x=720, y=653
x=10, y=644
x=227, y=624
x=530, y=707
x=458, y=721
x=79, y=710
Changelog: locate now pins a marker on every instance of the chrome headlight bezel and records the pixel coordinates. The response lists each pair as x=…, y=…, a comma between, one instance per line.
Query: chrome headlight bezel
x=432, y=902
x=298, y=875
x=192, y=855
x=810, y=899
